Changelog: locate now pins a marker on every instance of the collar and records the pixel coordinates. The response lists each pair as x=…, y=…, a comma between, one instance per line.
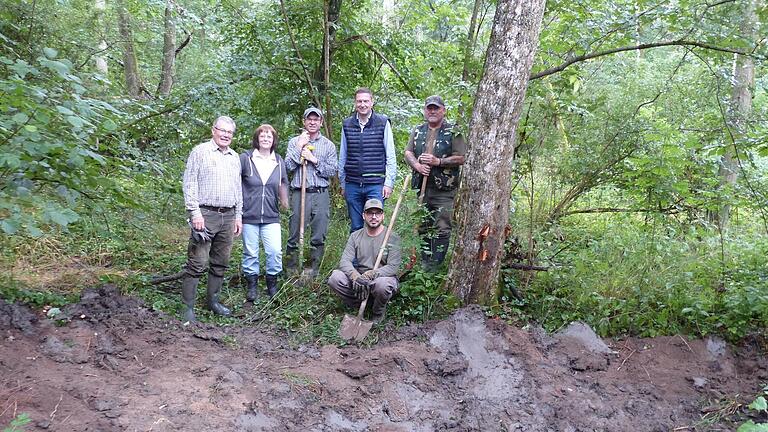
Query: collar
x=357, y=117
x=215, y=147
x=258, y=155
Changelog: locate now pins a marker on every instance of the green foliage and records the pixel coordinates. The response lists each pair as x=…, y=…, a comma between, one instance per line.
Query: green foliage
x=422, y=297
x=640, y=133
x=622, y=280
x=761, y=407
x=11, y=291
x=18, y=423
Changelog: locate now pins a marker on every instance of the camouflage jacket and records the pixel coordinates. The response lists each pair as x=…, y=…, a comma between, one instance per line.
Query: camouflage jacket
x=445, y=179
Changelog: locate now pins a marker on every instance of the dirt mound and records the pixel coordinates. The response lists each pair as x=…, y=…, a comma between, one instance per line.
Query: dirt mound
x=115, y=365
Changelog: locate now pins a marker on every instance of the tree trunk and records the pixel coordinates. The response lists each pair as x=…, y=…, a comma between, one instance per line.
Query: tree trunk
x=99, y=59
x=740, y=109
x=469, y=44
x=169, y=52
x=331, y=10
x=483, y=206
x=130, y=64
x=331, y=14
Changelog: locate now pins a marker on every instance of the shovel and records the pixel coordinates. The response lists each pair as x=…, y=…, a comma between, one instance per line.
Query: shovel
x=354, y=327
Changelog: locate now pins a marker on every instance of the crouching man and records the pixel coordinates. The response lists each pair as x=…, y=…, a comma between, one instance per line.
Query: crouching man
x=356, y=278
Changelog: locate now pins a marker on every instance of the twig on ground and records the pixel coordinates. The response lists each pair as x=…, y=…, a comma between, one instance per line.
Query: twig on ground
x=56, y=408
x=646, y=372
x=625, y=360
x=685, y=342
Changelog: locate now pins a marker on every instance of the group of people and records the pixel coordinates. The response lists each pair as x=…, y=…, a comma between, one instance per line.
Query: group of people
x=226, y=194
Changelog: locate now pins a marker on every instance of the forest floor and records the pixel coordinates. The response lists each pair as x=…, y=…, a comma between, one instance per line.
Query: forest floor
x=110, y=364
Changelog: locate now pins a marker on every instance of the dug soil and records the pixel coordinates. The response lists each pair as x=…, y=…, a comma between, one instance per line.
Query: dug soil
x=111, y=364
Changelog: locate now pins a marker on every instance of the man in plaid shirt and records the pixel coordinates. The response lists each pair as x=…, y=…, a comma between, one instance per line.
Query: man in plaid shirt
x=213, y=198
x=319, y=154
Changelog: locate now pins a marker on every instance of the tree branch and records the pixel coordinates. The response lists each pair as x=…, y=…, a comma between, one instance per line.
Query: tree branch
x=183, y=44
x=667, y=210
x=685, y=43
x=518, y=266
x=90, y=55
x=389, y=63
x=312, y=90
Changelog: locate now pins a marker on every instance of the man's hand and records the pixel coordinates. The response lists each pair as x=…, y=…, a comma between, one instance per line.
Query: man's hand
x=306, y=153
x=429, y=159
x=238, y=227
x=386, y=192
x=302, y=141
x=423, y=169
x=198, y=223
x=370, y=275
x=362, y=288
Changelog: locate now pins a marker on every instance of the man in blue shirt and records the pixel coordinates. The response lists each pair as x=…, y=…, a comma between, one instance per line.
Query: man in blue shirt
x=367, y=160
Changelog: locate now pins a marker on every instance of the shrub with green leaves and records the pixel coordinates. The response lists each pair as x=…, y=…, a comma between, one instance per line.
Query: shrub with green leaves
x=50, y=151
x=625, y=280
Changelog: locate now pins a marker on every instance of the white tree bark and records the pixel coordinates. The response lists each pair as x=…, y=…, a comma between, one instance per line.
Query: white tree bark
x=740, y=109
x=99, y=59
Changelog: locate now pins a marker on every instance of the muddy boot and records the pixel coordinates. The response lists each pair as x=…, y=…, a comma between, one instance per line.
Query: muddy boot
x=316, y=256
x=188, y=295
x=271, y=285
x=214, y=288
x=291, y=261
x=439, y=250
x=428, y=254
x=378, y=312
x=253, y=288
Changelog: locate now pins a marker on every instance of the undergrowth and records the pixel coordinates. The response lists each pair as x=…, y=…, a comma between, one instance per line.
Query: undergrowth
x=619, y=278
x=628, y=280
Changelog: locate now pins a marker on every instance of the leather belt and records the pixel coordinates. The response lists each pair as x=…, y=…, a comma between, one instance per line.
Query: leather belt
x=313, y=189
x=217, y=209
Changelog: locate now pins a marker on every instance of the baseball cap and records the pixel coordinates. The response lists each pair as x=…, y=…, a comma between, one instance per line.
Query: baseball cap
x=313, y=110
x=434, y=100
x=373, y=203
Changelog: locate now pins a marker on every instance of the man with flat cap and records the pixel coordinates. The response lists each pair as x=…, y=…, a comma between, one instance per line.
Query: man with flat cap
x=319, y=154
x=435, y=151
x=355, y=278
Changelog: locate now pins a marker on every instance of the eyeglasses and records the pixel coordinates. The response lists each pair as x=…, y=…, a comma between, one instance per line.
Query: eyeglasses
x=224, y=131
x=374, y=212
x=314, y=120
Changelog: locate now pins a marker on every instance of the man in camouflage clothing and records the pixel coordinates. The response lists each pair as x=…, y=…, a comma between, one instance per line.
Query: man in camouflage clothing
x=436, y=151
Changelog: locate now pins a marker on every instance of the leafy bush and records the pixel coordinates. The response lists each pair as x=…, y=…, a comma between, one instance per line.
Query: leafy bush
x=624, y=280
x=50, y=153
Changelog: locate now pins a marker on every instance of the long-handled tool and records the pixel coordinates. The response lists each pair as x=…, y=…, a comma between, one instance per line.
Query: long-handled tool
x=301, y=216
x=354, y=327
x=422, y=192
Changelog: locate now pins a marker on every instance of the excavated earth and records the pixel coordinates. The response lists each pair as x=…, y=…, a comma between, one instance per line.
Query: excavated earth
x=111, y=364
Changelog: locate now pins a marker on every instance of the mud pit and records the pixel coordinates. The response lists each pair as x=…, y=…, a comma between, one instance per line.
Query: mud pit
x=118, y=366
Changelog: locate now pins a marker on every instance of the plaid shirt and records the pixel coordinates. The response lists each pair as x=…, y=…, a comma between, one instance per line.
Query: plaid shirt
x=317, y=175
x=212, y=178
